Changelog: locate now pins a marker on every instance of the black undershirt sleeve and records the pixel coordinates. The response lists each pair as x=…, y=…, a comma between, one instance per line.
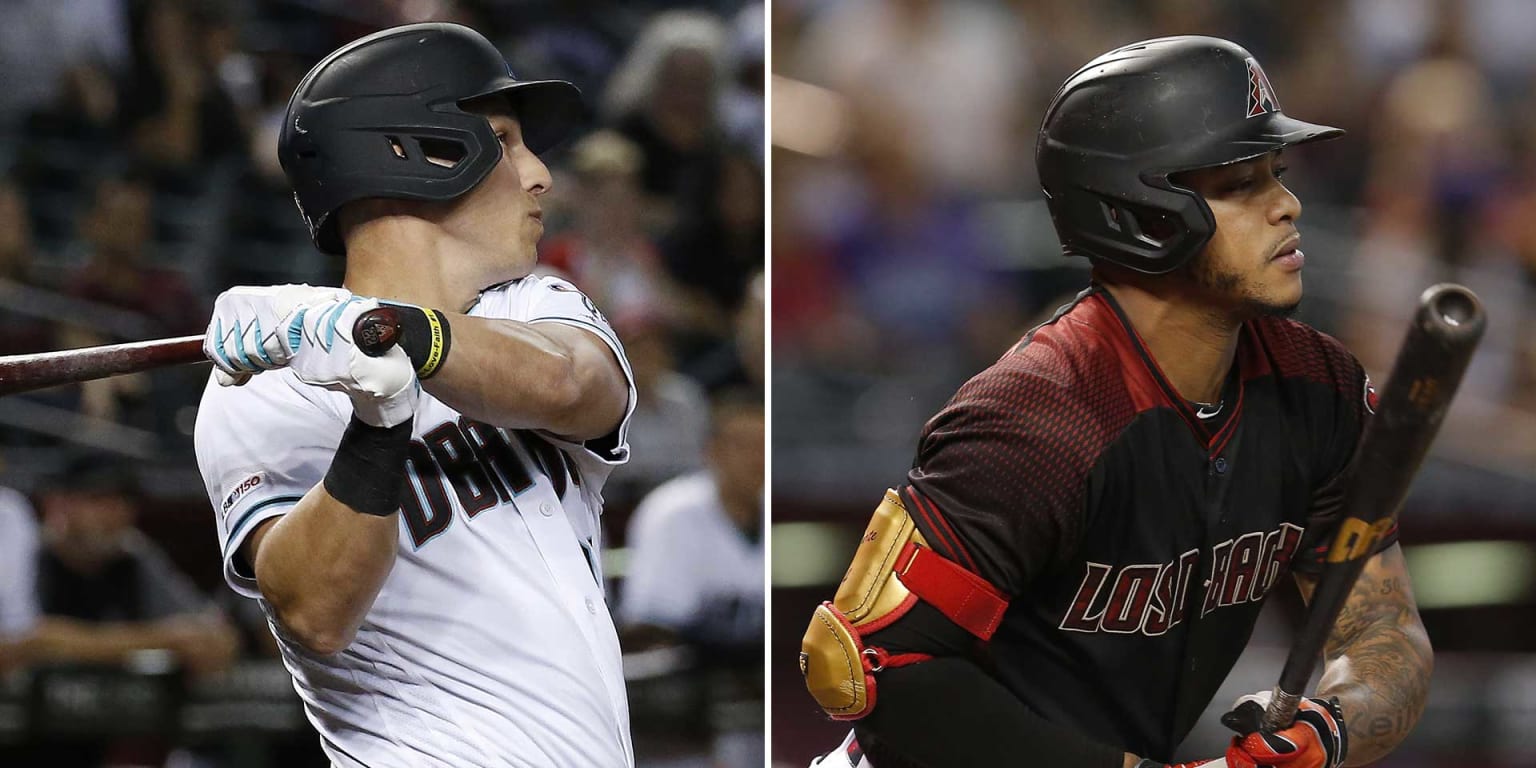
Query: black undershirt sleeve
x=948, y=713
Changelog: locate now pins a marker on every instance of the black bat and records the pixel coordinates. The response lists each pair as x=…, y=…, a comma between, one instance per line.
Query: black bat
x=1430, y=365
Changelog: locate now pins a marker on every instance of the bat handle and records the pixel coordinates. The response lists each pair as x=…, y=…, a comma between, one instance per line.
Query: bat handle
x=1281, y=711
x=377, y=330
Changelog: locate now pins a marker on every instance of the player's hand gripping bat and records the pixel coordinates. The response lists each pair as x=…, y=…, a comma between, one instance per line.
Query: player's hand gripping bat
x=375, y=332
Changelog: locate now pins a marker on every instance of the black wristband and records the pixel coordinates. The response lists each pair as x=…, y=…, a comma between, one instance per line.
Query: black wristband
x=368, y=471
x=426, y=337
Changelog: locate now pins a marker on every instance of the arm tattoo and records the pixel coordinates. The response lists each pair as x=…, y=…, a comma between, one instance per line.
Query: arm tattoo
x=1378, y=660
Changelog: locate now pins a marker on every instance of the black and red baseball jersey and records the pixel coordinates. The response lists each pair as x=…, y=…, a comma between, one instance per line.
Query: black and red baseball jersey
x=1135, y=534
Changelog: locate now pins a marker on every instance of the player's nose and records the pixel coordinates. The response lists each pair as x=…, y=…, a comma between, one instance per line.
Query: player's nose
x=532, y=171
x=1285, y=207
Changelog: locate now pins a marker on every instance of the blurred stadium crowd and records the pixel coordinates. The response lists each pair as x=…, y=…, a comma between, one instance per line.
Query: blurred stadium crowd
x=139, y=177
x=910, y=248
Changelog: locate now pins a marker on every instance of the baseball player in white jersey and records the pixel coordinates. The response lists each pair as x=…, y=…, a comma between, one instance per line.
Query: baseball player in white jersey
x=18, y=568
x=422, y=527
x=719, y=511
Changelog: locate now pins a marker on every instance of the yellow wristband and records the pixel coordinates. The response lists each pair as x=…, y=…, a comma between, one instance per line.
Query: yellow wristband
x=437, y=328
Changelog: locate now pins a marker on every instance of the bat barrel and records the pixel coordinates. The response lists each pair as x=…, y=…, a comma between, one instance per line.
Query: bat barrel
x=23, y=373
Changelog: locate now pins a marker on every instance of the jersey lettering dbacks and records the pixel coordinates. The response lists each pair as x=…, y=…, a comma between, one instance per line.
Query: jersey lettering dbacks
x=490, y=643
x=1136, y=540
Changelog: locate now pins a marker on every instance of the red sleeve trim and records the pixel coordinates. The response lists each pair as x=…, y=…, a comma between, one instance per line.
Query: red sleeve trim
x=947, y=539
x=965, y=598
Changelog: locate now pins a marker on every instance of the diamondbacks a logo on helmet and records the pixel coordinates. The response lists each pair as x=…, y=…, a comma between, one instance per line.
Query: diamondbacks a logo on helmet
x=1372, y=400
x=1261, y=95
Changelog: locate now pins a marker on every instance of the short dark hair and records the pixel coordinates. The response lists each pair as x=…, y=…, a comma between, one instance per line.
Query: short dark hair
x=97, y=472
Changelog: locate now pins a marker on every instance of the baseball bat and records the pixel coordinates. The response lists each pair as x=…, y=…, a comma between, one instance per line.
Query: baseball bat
x=375, y=331
x=1430, y=364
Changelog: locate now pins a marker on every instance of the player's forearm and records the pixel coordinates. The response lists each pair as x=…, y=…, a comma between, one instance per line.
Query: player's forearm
x=1379, y=661
x=320, y=567
x=522, y=375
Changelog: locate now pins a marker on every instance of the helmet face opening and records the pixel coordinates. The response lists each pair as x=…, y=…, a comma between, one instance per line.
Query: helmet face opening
x=383, y=117
x=1127, y=121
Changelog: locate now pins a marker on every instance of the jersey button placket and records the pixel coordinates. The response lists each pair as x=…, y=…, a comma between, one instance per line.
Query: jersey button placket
x=547, y=509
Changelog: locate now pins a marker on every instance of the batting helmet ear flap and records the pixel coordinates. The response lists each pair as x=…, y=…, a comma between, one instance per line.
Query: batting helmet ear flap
x=1150, y=231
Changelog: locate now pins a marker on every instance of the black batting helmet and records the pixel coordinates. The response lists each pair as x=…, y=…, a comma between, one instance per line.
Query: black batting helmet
x=363, y=121
x=1122, y=124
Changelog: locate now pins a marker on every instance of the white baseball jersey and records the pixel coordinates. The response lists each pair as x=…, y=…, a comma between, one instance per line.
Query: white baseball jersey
x=688, y=560
x=18, y=564
x=490, y=643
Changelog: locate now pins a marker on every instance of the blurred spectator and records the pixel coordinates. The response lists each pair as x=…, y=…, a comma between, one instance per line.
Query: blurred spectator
x=104, y=589
x=912, y=261
x=607, y=250
x=1432, y=177
x=666, y=433
x=19, y=334
x=85, y=110
x=719, y=244
x=935, y=67
x=102, y=594
x=118, y=228
x=1433, y=170
x=739, y=363
x=42, y=40
x=743, y=105
x=695, y=570
x=695, y=574
x=18, y=577
x=663, y=96
x=175, y=108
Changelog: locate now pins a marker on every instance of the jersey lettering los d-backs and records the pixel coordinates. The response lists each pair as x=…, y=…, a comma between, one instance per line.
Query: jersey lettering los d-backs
x=1136, y=535
x=490, y=643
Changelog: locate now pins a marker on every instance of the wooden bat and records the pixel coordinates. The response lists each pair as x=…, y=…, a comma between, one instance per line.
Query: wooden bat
x=375, y=332
x=1434, y=356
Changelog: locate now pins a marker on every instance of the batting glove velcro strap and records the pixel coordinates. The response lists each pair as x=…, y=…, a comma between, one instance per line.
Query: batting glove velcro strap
x=1315, y=739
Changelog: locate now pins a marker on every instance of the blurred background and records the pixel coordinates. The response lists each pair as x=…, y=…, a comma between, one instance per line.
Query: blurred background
x=911, y=248
x=138, y=178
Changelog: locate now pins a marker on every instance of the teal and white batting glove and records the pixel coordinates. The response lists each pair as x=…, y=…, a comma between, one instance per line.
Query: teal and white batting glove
x=245, y=334
x=317, y=344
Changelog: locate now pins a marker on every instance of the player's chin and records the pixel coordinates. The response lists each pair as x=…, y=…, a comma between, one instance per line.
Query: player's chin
x=1281, y=302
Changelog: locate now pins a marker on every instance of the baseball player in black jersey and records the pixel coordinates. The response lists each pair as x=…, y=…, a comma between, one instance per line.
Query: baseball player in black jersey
x=1091, y=525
